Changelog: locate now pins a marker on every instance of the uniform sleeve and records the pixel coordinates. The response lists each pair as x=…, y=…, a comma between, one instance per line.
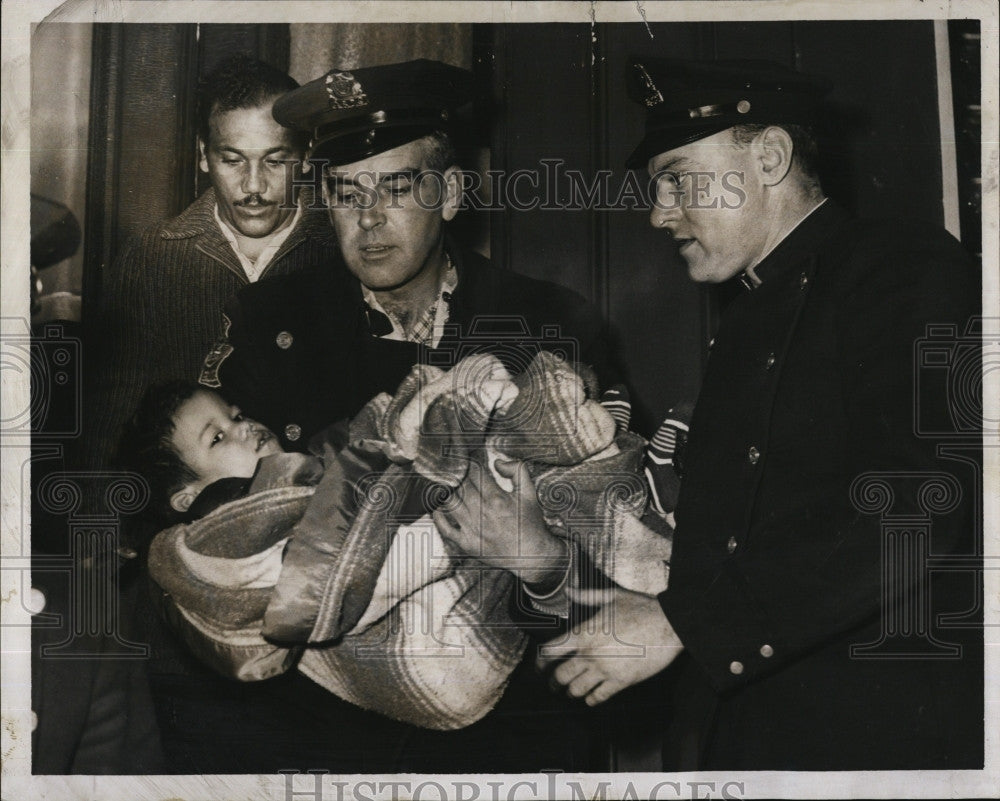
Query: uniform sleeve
x=819, y=575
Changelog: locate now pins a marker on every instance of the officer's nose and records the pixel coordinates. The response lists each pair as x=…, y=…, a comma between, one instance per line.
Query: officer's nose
x=372, y=215
x=662, y=214
x=666, y=203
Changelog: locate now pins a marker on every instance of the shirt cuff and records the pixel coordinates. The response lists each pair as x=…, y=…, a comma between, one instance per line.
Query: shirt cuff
x=557, y=601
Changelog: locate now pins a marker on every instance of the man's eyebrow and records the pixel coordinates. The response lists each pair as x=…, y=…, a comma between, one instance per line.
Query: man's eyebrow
x=673, y=164
x=406, y=173
x=268, y=152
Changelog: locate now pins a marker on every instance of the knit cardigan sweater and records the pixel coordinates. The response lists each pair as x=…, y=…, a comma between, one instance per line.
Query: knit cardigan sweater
x=160, y=311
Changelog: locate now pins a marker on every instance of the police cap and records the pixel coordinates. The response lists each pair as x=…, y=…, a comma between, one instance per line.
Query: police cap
x=354, y=114
x=687, y=100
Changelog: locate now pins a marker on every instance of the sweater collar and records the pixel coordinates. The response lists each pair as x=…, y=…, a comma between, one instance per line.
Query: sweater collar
x=198, y=220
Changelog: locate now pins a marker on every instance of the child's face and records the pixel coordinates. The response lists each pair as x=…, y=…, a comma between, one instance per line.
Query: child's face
x=216, y=441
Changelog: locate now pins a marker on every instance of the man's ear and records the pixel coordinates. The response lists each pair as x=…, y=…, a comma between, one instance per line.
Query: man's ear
x=202, y=157
x=775, y=150
x=453, y=193
x=181, y=500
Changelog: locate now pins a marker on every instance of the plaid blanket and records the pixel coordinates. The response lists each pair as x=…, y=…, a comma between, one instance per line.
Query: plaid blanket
x=349, y=581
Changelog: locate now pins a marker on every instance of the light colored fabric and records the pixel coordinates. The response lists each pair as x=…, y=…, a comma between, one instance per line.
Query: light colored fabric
x=254, y=268
x=251, y=572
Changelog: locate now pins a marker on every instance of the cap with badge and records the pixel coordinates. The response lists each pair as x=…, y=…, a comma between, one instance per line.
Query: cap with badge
x=687, y=100
x=352, y=115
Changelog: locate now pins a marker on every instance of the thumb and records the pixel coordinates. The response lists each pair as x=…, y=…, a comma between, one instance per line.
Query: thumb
x=507, y=467
x=518, y=474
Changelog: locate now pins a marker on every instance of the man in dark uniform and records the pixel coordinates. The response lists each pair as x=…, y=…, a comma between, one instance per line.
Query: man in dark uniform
x=309, y=349
x=312, y=348
x=788, y=596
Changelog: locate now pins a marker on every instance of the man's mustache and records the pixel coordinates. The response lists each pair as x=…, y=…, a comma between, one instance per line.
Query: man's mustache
x=256, y=199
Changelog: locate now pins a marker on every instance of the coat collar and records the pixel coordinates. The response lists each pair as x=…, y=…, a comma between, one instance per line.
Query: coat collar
x=806, y=239
x=197, y=221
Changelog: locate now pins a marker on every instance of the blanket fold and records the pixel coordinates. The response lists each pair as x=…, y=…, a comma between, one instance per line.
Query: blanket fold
x=367, y=600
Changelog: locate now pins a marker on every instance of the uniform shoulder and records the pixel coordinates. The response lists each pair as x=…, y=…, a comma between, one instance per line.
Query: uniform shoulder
x=507, y=284
x=901, y=235
x=890, y=256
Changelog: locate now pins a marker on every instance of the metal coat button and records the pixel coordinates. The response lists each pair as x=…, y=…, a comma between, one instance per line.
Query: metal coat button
x=731, y=545
x=711, y=343
x=766, y=651
x=284, y=340
x=292, y=432
x=771, y=359
x=753, y=455
x=803, y=280
x=736, y=668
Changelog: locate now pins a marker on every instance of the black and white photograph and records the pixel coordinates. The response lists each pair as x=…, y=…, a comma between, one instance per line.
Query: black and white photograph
x=500, y=400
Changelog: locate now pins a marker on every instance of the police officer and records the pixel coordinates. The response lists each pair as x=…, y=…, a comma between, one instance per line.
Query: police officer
x=312, y=348
x=794, y=654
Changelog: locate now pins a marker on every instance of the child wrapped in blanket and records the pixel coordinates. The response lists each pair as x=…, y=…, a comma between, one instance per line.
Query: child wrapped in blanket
x=330, y=562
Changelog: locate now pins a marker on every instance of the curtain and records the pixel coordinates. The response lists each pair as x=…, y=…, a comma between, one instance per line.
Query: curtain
x=316, y=48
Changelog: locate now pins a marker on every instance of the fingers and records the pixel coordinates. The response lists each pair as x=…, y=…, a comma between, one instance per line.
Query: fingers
x=591, y=597
x=583, y=684
x=556, y=651
x=603, y=691
x=570, y=670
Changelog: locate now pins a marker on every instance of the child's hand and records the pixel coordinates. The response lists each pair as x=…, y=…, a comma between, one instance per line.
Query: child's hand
x=502, y=529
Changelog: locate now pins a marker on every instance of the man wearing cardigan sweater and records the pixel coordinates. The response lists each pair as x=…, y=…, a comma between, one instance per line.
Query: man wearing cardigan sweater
x=161, y=300
x=159, y=313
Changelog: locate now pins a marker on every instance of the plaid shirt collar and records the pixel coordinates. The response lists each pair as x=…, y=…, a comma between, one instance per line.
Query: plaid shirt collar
x=428, y=329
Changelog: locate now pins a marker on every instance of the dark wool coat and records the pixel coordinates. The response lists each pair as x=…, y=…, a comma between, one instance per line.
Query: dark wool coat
x=160, y=310
x=779, y=565
x=303, y=356
x=326, y=367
